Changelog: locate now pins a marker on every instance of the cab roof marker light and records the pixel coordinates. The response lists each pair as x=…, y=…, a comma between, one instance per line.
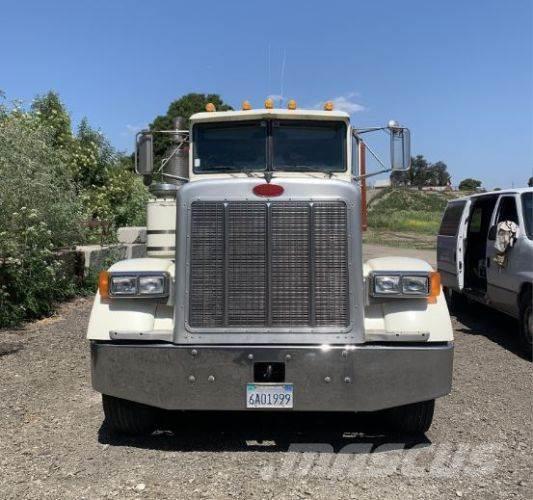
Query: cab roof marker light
x=291, y=104
x=246, y=106
x=328, y=106
x=210, y=107
x=269, y=103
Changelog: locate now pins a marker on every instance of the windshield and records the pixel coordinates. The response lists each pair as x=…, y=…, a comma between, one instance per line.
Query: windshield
x=527, y=207
x=283, y=145
x=230, y=147
x=308, y=146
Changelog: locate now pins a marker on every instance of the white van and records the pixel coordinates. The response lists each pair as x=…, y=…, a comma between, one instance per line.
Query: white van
x=485, y=252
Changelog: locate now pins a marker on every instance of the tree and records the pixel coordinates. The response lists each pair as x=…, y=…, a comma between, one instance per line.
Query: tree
x=418, y=172
x=51, y=112
x=469, y=184
x=530, y=182
x=185, y=106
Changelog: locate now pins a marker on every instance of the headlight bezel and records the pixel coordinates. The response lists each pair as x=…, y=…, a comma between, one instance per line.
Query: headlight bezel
x=137, y=275
x=401, y=293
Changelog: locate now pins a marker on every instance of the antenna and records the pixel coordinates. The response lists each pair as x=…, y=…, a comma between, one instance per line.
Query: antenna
x=269, y=81
x=282, y=76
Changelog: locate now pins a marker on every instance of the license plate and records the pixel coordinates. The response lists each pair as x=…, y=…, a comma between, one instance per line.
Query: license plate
x=269, y=396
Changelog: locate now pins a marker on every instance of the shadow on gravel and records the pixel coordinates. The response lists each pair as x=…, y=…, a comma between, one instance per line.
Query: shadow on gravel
x=265, y=432
x=493, y=325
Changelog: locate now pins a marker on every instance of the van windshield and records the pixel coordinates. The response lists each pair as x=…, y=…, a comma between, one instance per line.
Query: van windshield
x=527, y=207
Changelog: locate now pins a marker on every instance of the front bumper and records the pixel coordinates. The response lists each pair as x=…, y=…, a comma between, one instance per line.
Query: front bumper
x=332, y=378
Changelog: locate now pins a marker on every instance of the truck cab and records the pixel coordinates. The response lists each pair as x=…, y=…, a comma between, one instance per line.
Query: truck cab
x=485, y=253
x=259, y=297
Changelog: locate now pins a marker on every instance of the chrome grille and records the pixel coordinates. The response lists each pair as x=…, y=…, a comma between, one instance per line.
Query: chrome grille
x=258, y=264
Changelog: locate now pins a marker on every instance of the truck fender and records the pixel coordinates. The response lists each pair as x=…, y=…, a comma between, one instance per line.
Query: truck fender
x=133, y=315
x=400, y=319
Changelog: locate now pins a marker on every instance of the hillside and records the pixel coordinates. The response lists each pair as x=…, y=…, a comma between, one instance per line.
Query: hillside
x=406, y=217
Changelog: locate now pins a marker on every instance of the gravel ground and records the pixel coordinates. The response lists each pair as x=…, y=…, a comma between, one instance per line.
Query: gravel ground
x=54, y=445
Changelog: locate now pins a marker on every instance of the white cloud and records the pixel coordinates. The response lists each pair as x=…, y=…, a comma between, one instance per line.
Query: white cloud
x=345, y=103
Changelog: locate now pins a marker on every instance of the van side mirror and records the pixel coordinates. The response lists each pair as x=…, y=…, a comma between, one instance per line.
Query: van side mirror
x=492, y=233
x=400, y=147
x=144, y=153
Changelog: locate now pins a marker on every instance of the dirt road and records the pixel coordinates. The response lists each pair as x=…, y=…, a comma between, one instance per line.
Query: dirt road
x=53, y=443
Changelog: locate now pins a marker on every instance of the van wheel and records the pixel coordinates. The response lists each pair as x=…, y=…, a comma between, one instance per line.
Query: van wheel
x=456, y=301
x=526, y=323
x=128, y=417
x=415, y=418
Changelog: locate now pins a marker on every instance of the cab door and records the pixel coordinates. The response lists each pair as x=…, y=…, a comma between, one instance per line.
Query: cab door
x=503, y=281
x=451, y=242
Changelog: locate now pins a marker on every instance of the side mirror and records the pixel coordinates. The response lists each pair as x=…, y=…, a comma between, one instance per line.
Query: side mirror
x=492, y=233
x=144, y=153
x=400, y=147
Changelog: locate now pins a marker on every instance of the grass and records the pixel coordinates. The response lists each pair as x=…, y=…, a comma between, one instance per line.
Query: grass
x=406, y=217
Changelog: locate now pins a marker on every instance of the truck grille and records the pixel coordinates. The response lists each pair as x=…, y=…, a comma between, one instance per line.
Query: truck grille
x=258, y=264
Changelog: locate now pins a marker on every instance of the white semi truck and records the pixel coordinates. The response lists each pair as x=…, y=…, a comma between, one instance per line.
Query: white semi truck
x=254, y=294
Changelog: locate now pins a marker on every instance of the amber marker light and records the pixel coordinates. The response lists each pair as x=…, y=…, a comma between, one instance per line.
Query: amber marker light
x=246, y=106
x=434, y=287
x=269, y=103
x=291, y=104
x=103, y=284
x=328, y=106
x=210, y=107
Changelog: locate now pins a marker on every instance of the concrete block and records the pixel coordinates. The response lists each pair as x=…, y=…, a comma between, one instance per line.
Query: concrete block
x=96, y=257
x=131, y=235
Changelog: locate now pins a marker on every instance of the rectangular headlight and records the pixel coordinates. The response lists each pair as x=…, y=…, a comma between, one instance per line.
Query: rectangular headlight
x=151, y=285
x=415, y=285
x=387, y=284
x=123, y=285
x=136, y=285
x=400, y=285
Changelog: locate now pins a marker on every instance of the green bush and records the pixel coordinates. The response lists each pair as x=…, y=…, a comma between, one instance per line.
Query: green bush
x=39, y=213
x=57, y=189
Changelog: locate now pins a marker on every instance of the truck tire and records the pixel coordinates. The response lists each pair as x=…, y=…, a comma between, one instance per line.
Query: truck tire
x=128, y=417
x=526, y=323
x=415, y=418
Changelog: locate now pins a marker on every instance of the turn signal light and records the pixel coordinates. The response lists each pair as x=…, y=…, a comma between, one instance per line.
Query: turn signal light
x=434, y=287
x=103, y=284
x=291, y=104
x=268, y=190
x=246, y=106
x=210, y=107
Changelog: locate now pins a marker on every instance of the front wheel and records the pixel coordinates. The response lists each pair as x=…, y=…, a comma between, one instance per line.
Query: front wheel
x=415, y=418
x=128, y=417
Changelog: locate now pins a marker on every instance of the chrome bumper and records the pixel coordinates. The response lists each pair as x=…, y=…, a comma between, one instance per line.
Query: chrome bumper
x=334, y=378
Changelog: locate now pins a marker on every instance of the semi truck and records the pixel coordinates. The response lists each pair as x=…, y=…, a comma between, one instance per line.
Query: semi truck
x=254, y=295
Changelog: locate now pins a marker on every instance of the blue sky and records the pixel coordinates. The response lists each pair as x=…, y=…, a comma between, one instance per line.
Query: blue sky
x=458, y=73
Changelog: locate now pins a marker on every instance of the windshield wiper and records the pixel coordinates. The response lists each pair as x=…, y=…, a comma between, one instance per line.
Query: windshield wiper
x=247, y=171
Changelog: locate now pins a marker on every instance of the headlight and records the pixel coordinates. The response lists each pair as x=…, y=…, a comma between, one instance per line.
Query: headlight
x=151, y=285
x=386, y=285
x=134, y=285
x=390, y=284
x=123, y=285
x=415, y=285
